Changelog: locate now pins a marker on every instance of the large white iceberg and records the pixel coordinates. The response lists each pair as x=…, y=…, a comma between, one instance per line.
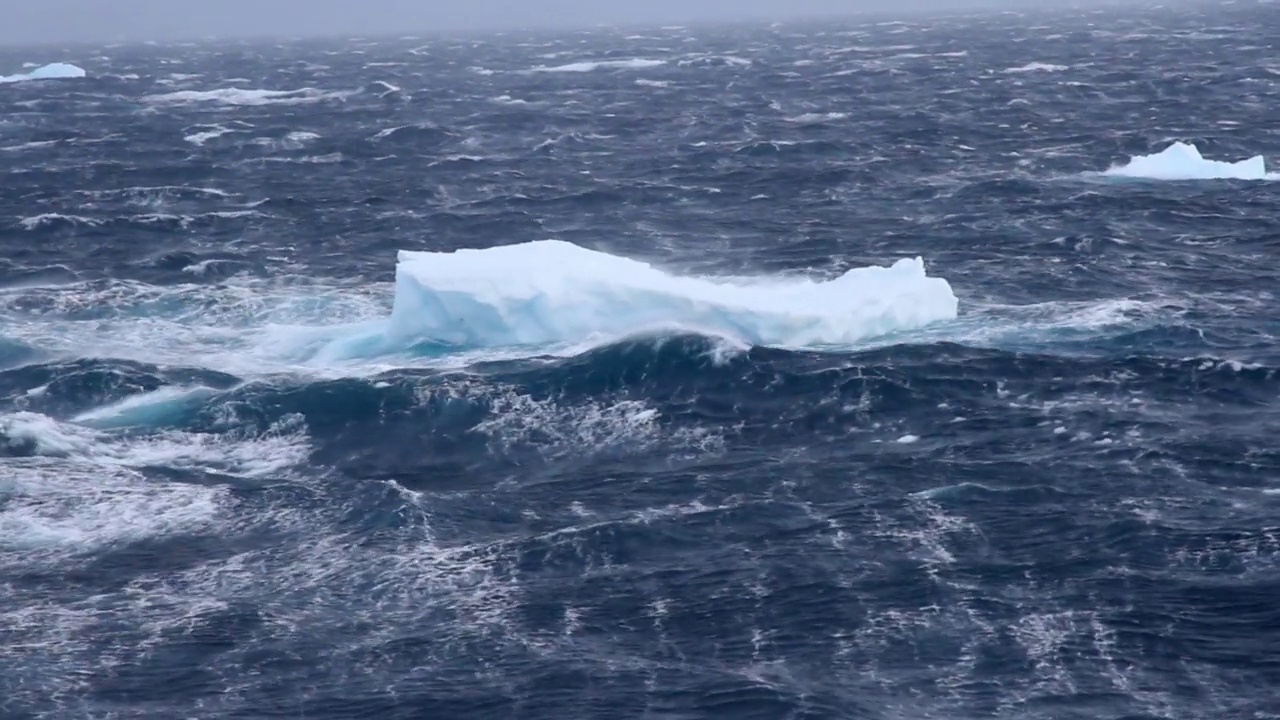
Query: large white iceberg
x=550, y=292
x=1182, y=161
x=53, y=71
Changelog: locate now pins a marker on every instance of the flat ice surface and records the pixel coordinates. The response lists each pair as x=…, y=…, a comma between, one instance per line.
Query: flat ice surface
x=1182, y=161
x=551, y=292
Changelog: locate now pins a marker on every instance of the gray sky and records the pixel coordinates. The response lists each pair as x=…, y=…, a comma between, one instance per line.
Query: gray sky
x=38, y=21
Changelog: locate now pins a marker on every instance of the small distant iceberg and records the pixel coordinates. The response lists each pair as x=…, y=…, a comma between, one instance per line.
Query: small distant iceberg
x=52, y=71
x=1183, y=161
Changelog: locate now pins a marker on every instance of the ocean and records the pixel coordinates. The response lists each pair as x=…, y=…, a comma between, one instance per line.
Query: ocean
x=859, y=368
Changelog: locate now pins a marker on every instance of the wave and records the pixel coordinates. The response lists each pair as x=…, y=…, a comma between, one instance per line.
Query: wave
x=52, y=71
x=418, y=134
x=33, y=145
x=55, y=220
x=244, y=453
x=157, y=407
x=147, y=220
x=225, y=320
x=589, y=66
x=714, y=61
x=382, y=88
x=1036, y=67
x=242, y=96
x=550, y=292
x=815, y=117
x=200, y=138
x=1183, y=161
x=70, y=488
x=682, y=393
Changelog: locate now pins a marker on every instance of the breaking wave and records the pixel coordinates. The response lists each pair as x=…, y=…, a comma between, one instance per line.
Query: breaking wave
x=588, y=66
x=242, y=96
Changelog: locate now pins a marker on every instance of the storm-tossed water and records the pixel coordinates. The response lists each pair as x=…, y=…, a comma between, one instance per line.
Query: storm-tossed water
x=233, y=486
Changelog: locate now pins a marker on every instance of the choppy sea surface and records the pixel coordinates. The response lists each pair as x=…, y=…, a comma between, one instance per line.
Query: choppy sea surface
x=659, y=441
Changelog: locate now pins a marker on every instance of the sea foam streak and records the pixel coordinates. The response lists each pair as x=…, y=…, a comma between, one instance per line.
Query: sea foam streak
x=243, y=96
x=590, y=65
x=549, y=292
x=1182, y=161
x=52, y=71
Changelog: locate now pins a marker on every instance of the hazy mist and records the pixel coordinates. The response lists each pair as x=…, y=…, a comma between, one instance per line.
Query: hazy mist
x=41, y=21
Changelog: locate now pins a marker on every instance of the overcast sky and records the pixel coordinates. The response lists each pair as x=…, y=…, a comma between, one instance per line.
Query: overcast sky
x=39, y=21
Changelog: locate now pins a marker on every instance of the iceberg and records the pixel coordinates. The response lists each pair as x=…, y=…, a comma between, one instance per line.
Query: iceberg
x=553, y=292
x=53, y=71
x=1182, y=161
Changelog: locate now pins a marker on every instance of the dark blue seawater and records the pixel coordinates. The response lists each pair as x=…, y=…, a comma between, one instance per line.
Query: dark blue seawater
x=234, y=485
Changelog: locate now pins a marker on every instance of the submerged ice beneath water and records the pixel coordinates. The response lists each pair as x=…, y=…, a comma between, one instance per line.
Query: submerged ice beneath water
x=553, y=292
x=1183, y=161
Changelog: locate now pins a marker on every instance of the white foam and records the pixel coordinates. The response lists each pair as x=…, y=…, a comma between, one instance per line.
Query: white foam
x=77, y=487
x=808, y=118
x=52, y=71
x=33, y=145
x=281, y=447
x=1036, y=67
x=42, y=435
x=588, y=66
x=49, y=219
x=242, y=326
x=518, y=422
x=242, y=96
x=214, y=131
x=550, y=292
x=295, y=140
x=1182, y=161
x=712, y=59
x=79, y=506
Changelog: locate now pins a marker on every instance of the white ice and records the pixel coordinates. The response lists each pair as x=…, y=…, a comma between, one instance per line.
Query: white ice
x=1182, y=161
x=550, y=292
x=53, y=71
